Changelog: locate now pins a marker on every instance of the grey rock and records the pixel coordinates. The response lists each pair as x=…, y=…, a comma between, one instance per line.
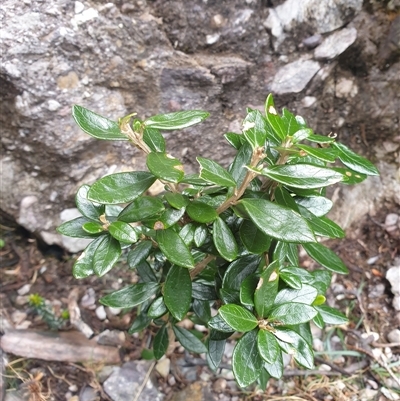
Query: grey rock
x=294, y=77
x=125, y=382
x=336, y=44
x=88, y=393
x=391, y=219
x=312, y=41
x=394, y=336
x=376, y=291
x=393, y=276
x=111, y=337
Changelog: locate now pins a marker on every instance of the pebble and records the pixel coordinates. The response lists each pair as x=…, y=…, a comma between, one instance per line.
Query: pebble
x=325, y=367
x=391, y=219
x=371, y=336
x=390, y=395
x=88, y=301
x=339, y=360
x=114, y=311
x=163, y=367
x=373, y=384
x=24, y=289
x=111, y=337
x=394, y=336
x=219, y=385
x=318, y=345
x=171, y=380
x=393, y=276
x=17, y=317
x=21, y=300
x=367, y=394
x=101, y=312
x=308, y=101
x=372, y=260
x=227, y=374
x=73, y=388
x=335, y=44
x=312, y=41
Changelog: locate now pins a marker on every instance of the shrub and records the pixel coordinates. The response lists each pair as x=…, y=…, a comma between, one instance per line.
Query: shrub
x=221, y=247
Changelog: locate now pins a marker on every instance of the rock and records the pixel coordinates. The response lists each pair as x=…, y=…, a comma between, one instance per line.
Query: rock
x=24, y=289
x=389, y=394
x=294, y=77
x=88, y=300
x=115, y=338
x=163, y=366
x=394, y=336
x=125, y=382
x=393, y=276
x=345, y=88
x=336, y=44
x=219, y=385
x=88, y=393
x=391, y=219
x=312, y=41
x=198, y=391
x=101, y=312
x=376, y=291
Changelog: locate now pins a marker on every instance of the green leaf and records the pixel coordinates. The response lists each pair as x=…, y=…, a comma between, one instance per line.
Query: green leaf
x=167, y=219
x=203, y=291
x=73, y=228
x=201, y=212
x=235, y=140
x=92, y=227
x=298, y=347
x=291, y=122
x=328, y=155
x=157, y=308
x=123, y=232
x=229, y=296
x=130, y=296
x=153, y=139
x=224, y=240
x=292, y=313
x=211, y=171
x=254, y=129
x=165, y=167
x=350, y=177
x=202, y=310
x=275, y=369
x=238, y=317
x=325, y=257
x=146, y=272
x=283, y=197
x=174, y=249
x=120, y=187
x=301, y=134
x=331, y=316
x=219, y=324
x=140, y=323
x=83, y=267
x=106, y=255
x=97, y=126
x=254, y=240
x=238, y=169
x=141, y=208
x=246, y=360
x=215, y=353
x=161, y=342
x=187, y=233
x=320, y=139
x=321, y=280
x=302, y=175
x=278, y=221
x=178, y=292
x=274, y=119
x=189, y=341
x=176, y=200
x=318, y=321
x=317, y=205
x=304, y=295
x=247, y=290
x=267, y=346
x=240, y=269
x=139, y=253
x=177, y=120
x=354, y=161
x=265, y=293
x=200, y=235
x=86, y=207
x=295, y=276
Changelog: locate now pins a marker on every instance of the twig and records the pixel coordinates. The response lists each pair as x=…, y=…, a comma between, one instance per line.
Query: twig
x=382, y=345
x=144, y=382
x=312, y=372
x=333, y=366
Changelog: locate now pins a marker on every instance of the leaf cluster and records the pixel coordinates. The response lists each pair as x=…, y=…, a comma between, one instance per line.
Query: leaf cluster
x=221, y=247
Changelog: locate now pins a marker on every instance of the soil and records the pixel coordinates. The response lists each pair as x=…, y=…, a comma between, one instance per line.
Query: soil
x=368, y=251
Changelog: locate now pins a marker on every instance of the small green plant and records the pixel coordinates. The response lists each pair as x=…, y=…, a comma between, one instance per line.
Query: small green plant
x=221, y=247
x=39, y=305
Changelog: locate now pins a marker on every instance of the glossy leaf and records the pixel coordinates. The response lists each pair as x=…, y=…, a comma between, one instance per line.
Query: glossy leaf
x=275, y=369
x=295, y=276
x=321, y=280
x=268, y=347
x=278, y=221
x=292, y=313
x=140, y=323
x=73, y=228
x=229, y=296
x=224, y=240
x=166, y=220
x=328, y=155
x=291, y=122
x=236, y=140
x=165, y=167
x=254, y=129
x=177, y=120
x=201, y=212
x=157, y=308
x=178, y=292
x=120, y=187
x=174, y=249
x=83, y=267
x=283, y=197
x=254, y=240
x=305, y=295
x=97, y=126
x=215, y=173
x=325, y=257
x=146, y=272
x=176, y=200
x=161, y=342
x=215, y=353
x=200, y=235
x=85, y=206
x=322, y=226
x=189, y=341
x=265, y=293
x=153, y=139
x=202, y=310
x=203, y=292
x=246, y=360
x=317, y=205
x=106, y=255
x=130, y=296
x=238, y=169
x=320, y=139
x=302, y=175
x=247, y=290
x=350, y=177
x=92, y=227
x=219, y=324
x=301, y=134
x=274, y=119
x=331, y=316
x=139, y=253
x=354, y=161
x=240, y=269
x=187, y=233
x=123, y=232
x=141, y=209
x=239, y=318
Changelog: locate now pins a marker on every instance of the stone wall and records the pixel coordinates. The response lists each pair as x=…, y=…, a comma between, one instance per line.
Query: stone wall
x=334, y=62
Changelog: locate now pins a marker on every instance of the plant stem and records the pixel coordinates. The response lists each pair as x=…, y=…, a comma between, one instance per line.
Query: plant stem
x=201, y=266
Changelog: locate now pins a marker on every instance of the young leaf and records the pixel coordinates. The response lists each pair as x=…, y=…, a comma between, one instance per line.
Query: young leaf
x=106, y=255
x=239, y=318
x=215, y=353
x=177, y=120
x=291, y=122
x=201, y=212
x=317, y=205
x=292, y=313
x=130, y=296
x=354, y=161
x=240, y=269
x=325, y=257
x=267, y=346
x=141, y=208
x=92, y=227
x=86, y=207
x=120, y=187
x=165, y=167
x=302, y=175
x=73, y=228
x=265, y=293
x=153, y=139
x=139, y=253
x=213, y=172
x=174, y=249
x=275, y=369
x=224, y=240
x=189, y=341
x=178, y=292
x=331, y=316
x=246, y=360
x=161, y=342
x=278, y=221
x=97, y=126
x=254, y=240
x=123, y=232
x=254, y=129
x=305, y=295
